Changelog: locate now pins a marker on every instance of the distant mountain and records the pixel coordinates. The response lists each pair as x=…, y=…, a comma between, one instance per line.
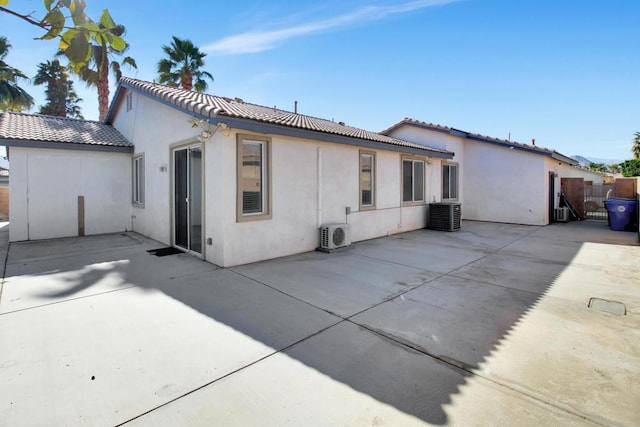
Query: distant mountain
x=584, y=161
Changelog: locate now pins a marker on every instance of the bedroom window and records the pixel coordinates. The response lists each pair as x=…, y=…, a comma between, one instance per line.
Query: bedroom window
x=449, y=181
x=253, y=178
x=412, y=181
x=367, y=180
x=138, y=179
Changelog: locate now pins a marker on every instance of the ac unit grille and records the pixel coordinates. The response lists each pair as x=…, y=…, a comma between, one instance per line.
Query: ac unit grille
x=333, y=236
x=445, y=216
x=562, y=214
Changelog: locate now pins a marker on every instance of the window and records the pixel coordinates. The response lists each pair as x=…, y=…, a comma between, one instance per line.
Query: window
x=412, y=180
x=253, y=178
x=449, y=181
x=367, y=180
x=138, y=179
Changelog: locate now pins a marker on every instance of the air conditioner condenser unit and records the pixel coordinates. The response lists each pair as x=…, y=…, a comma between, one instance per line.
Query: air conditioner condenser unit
x=334, y=236
x=562, y=214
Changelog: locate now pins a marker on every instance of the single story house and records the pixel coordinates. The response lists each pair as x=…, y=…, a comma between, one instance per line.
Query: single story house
x=229, y=181
x=494, y=179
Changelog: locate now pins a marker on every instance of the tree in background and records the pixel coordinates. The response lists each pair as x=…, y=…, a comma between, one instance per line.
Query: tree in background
x=12, y=96
x=87, y=44
x=613, y=168
x=597, y=167
x=96, y=72
x=73, y=100
x=183, y=66
x=635, y=148
x=630, y=168
x=74, y=41
x=62, y=99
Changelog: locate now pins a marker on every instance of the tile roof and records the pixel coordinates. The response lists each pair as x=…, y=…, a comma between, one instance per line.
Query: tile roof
x=36, y=128
x=475, y=136
x=214, y=107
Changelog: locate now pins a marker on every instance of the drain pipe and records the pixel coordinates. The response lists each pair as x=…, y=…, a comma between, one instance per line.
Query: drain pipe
x=319, y=186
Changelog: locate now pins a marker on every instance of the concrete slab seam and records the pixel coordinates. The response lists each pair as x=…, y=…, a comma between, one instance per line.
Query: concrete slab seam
x=66, y=300
x=242, y=368
x=284, y=293
x=462, y=369
x=4, y=269
x=449, y=273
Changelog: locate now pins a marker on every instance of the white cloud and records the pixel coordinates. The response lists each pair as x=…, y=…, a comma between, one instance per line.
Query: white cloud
x=258, y=41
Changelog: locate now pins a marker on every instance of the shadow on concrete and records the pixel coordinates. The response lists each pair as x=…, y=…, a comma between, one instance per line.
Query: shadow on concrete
x=410, y=346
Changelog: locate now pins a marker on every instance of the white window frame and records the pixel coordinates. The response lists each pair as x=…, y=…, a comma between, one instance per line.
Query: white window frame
x=414, y=200
x=265, y=178
x=137, y=179
x=446, y=194
x=372, y=155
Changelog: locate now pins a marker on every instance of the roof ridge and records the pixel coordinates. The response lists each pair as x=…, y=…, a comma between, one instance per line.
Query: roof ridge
x=214, y=107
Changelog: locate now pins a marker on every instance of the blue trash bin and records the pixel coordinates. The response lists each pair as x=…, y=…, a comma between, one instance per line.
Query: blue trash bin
x=621, y=213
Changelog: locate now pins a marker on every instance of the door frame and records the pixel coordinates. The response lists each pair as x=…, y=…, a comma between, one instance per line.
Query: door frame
x=172, y=192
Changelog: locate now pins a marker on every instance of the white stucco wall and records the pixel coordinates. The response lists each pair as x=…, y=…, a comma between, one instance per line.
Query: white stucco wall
x=503, y=185
x=434, y=173
x=495, y=183
x=153, y=128
x=45, y=186
x=312, y=184
x=567, y=171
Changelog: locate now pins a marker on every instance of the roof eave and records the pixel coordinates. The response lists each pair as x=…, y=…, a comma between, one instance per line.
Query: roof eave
x=563, y=158
x=272, y=128
x=467, y=135
x=24, y=143
x=108, y=119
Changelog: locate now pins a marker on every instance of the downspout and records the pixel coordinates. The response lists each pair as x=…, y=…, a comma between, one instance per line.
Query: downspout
x=319, y=186
x=28, y=213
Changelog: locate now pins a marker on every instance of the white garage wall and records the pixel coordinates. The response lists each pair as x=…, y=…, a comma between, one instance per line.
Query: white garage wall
x=44, y=193
x=503, y=185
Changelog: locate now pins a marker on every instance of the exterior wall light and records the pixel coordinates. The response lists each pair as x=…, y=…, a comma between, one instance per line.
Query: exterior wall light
x=208, y=130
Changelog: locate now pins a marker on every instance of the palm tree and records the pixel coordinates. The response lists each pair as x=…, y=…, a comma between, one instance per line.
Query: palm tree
x=12, y=96
x=96, y=73
x=635, y=149
x=183, y=66
x=598, y=167
x=55, y=76
x=72, y=108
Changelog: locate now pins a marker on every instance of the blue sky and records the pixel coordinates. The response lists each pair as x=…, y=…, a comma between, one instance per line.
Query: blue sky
x=562, y=72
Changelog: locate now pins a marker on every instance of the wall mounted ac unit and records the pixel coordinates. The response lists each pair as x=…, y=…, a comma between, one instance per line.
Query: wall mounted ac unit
x=562, y=214
x=445, y=216
x=333, y=236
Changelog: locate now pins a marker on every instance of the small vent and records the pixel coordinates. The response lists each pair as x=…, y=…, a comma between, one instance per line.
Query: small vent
x=129, y=99
x=445, y=216
x=333, y=236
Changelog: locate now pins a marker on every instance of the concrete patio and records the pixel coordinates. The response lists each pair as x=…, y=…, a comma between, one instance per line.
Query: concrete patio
x=485, y=326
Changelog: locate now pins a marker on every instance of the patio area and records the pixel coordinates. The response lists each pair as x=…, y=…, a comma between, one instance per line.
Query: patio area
x=490, y=325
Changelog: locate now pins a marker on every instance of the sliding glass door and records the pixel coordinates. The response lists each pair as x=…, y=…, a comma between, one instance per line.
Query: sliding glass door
x=187, y=208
